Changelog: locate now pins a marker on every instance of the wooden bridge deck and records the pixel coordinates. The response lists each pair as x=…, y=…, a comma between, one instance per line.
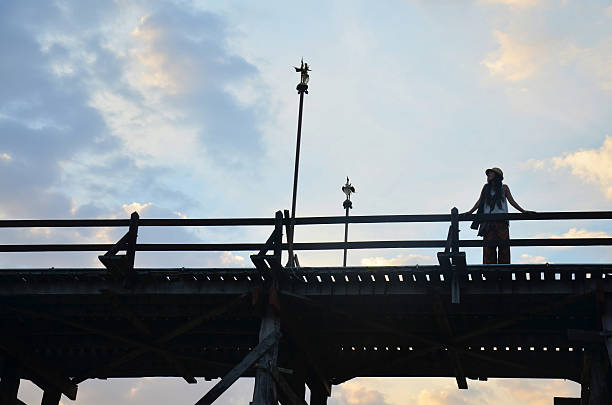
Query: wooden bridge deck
x=513, y=320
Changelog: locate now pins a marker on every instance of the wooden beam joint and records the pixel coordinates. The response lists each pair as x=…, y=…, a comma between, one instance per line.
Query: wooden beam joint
x=122, y=266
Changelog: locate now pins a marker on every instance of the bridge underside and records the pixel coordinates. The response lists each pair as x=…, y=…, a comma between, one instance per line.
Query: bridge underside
x=512, y=321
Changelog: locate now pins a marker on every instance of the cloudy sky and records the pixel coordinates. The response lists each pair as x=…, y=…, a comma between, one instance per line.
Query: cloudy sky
x=188, y=109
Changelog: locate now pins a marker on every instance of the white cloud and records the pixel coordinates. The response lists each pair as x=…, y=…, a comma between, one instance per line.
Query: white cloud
x=513, y=61
x=529, y=259
x=180, y=214
x=353, y=393
x=230, y=259
x=5, y=156
x=434, y=397
x=533, y=164
x=581, y=233
x=535, y=392
x=135, y=206
x=399, y=260
x=573, y=233
x=594, y=61
x=145, y=127
x=590, y=165
x=514, y=3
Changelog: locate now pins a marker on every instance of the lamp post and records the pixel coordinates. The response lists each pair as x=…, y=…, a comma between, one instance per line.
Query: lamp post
x=347, y=189
x=302, y=88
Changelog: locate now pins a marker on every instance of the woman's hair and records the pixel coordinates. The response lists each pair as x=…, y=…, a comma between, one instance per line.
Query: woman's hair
x=496, y=198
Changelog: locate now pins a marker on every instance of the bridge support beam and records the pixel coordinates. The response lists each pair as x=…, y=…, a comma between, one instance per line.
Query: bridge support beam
x=51, y=397
x=318, y=395
x=265, y=392
x=9, y=384
x=598, y=384
x=606, y=323
x=297, y=380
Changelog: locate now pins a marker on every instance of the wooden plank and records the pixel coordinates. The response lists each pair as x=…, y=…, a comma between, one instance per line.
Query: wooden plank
x=235, y=373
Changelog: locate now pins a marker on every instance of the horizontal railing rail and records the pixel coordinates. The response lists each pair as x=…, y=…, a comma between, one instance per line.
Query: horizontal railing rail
x=381, y=244
x=356, y=219
x=262, y=221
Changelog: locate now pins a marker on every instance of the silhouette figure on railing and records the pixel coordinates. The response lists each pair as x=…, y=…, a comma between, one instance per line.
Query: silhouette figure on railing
x=494, y=199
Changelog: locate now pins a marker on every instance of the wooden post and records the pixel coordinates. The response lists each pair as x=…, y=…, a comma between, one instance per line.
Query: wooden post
x=130, y=251
x=9, y=384
x=264, y=392
x=599, y=391
x=455, y=230
x=297, y=379
x=454, y=245
x=51, y=397
x=278, y=242
x=318, y=396
x=606, y=323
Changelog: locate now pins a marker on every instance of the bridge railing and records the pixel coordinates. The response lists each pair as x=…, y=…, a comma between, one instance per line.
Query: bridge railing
x=303, y=221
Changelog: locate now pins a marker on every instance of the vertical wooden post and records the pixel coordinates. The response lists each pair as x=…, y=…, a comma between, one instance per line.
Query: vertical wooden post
x=454, y=236
x=130, y=251
x=455, y=230
x=606, y=323
x=51, y=397
x=297, y=379
x=318, y=396
x=599, y=392
x=9, y=384
x=289, y=233
x=264, y=392
x=278, y=242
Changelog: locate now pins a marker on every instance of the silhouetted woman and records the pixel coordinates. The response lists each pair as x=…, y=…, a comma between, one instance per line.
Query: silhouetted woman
x=494, y=199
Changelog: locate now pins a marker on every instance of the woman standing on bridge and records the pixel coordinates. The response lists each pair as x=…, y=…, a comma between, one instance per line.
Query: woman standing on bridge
x=494, y=199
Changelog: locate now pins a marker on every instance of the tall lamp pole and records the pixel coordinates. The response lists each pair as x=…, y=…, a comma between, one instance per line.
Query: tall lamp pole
x=301, y=88
x=347, y=189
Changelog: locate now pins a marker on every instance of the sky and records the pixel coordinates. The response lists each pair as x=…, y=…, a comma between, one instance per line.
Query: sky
x=188, y=109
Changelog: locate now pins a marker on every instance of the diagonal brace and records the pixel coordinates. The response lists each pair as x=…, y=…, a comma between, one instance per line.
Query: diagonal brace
x=235, y=373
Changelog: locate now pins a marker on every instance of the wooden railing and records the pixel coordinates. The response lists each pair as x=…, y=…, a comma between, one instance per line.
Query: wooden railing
x=303, y=221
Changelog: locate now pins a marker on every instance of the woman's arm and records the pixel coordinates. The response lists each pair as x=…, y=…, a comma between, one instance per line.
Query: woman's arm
x=513, y=202
x=475, y=206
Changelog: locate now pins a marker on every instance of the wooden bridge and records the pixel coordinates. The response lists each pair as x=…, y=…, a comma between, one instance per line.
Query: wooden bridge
x=290, y=326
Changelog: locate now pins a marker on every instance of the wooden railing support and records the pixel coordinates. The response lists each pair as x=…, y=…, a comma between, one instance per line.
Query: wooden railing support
x=122, y=266
x=452, y=260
